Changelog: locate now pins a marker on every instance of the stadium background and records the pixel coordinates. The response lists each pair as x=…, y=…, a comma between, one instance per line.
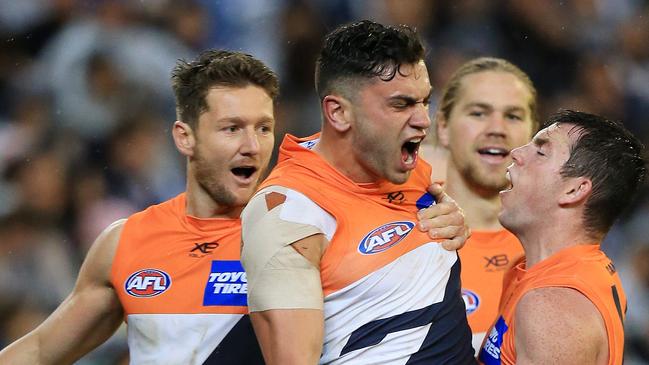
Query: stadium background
x=86, y=106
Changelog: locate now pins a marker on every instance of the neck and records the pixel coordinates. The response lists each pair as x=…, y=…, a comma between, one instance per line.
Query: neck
x=205, y=207
x=200, y=204
x=541, y=241
x=481, y=208
x=337, y=151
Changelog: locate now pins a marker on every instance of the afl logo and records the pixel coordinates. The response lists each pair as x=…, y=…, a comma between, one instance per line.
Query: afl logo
x=384, y=237
x=147, y=283
x=471, y=301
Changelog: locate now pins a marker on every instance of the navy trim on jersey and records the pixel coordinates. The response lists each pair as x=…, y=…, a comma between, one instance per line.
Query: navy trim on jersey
x=448, y=340
x=239, y=346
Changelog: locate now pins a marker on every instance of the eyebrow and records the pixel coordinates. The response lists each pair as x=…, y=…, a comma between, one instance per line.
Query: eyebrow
x=516, y=108
x=239, y=120
x=410, y=99
x=540, y=141
x=509, y=109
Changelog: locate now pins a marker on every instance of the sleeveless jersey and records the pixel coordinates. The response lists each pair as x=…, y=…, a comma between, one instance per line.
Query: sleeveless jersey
x=486, y=257
x=391, y=296
x=183, y=289
x=584, y=268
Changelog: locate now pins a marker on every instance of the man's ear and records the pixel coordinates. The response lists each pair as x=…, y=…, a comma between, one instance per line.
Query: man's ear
x=577, y=190
x=184, y=138
x=337, y=112
x=441, y=125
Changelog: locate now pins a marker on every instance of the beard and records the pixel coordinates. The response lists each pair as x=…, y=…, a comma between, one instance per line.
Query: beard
x=209, y=176
x=376, y=153
x=488, y=182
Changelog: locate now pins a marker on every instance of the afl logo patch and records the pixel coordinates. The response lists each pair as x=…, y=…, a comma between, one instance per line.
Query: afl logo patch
x=471, y=301
x=384, y=237
x=147, y=283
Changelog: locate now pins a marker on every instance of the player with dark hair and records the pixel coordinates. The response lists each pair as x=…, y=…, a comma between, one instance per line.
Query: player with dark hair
x=172, y=271
x=338, y=272
x=564, y=304
x=487, y=109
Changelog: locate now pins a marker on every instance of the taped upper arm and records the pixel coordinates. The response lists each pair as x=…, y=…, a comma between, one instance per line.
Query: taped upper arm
x=283, y=237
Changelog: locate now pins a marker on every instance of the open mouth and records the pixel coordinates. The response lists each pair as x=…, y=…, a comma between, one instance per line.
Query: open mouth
x=410, y=150
x=494, y=151
x=244, y=172
x=510, y=185
x=495, y=156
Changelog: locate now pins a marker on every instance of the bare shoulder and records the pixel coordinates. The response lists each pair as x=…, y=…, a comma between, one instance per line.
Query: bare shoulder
x=97, y=265
x=559, y=326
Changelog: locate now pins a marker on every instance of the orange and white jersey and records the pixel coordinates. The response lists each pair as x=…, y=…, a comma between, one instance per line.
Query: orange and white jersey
x=486, y=257
x=183, y=289
x=391, y=295
x=584, y=268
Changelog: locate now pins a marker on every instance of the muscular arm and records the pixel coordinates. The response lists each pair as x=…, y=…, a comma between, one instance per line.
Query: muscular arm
x=84, y=320
x=282, y=259
x=294, y=336
x=559, y=326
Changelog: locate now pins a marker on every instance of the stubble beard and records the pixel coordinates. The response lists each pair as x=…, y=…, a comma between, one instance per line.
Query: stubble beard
x=488, y=183
x=375, y=154
x=209, y=179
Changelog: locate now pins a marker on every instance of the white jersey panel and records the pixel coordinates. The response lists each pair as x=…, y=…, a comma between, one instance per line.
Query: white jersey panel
x=298, y=208
x=166, y=339
x=413, y=281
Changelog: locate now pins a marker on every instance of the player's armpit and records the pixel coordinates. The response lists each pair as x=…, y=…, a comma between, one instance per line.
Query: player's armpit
x=85, y=319
x=559, y=326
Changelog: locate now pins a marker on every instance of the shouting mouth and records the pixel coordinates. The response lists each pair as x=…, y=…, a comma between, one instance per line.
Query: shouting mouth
x=510, y=185
x=410, y=151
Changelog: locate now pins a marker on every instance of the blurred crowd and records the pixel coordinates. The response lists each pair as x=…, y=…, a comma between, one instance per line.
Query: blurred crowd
x=86, y=109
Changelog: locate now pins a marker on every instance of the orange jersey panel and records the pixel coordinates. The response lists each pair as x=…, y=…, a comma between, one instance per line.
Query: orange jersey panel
x=166, y=262
x=183, y=289
x=391, y=295
x=486, y=257
x=584, y=268
x=358, y=209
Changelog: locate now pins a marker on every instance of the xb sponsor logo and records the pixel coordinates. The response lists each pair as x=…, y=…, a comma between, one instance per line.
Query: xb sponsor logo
x=384, y=237
x=396, y=197
x=147, y=283
x=496, y=262
x=203, y=249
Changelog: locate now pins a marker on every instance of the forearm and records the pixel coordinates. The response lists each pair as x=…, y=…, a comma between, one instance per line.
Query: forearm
x=81, y=323
x=23, y=351
x=289, y=336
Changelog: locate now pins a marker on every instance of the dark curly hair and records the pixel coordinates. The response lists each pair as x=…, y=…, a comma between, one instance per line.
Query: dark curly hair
x=365, y=49
x=611, y=157
x=191, y=80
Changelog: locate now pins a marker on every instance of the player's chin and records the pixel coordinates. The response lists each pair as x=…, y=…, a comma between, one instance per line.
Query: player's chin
x=399, y=176
x=242, y=195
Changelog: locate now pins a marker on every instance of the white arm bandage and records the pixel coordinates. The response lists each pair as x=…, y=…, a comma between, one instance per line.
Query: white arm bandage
x=278, y=276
